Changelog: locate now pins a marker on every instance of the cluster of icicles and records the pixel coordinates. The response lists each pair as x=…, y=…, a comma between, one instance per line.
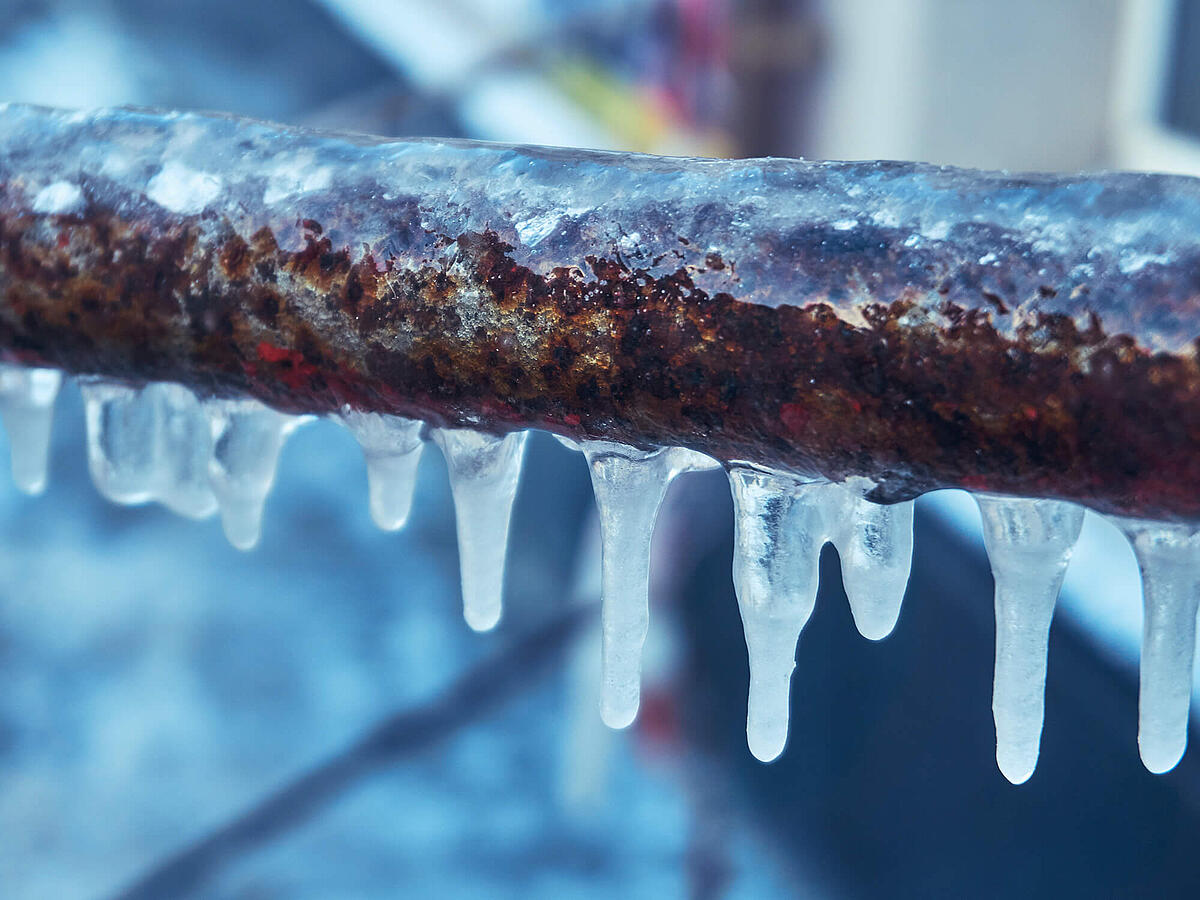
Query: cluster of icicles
x=161, y=443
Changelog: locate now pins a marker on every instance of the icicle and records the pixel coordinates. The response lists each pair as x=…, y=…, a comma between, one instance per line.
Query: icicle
x=392, y=448
x=1169, y=558
x=484, y=471
x=629, y=485
x=247, y=438
x=569, y=443
x=122, y=450
x=27, y=406
x=780, y=524
x=874, y=542
x=183, y=446
x=1029, y=544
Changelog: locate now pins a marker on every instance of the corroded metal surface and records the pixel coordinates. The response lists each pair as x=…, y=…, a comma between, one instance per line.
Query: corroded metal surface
x=923, y=327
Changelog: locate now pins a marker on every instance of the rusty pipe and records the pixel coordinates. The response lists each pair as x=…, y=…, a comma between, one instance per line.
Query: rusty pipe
x=920, y=326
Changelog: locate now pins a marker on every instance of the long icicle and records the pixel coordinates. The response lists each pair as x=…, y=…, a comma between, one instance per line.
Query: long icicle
x=629, y=485
x=484, y=472
x=780, y=525
x=1029, y=544
x=1169, y=558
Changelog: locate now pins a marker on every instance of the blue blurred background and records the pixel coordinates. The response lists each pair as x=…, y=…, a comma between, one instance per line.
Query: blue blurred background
x=159, y=685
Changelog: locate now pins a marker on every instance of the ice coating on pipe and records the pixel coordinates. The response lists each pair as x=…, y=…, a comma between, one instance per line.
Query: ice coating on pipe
x=1029, y=544
x=484, y=472
x=27, y=398
x=780, y=525
x=629, y=485
x=797, y=315
x=391, y=446
x=1169, y=558
x=247, y=438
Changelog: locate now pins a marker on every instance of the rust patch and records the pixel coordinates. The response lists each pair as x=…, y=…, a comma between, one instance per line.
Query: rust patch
x=913, y=385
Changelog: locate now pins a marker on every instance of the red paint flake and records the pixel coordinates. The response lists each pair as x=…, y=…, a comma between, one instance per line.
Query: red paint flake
x=272, y=354
x=794, y=417
x=63, y=239
x=1030, y=413
x=498, y=409
x=974, y=482
x=295, y=370
x=571, y=419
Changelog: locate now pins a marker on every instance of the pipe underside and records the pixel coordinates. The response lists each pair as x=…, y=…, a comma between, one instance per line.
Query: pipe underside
x=920, y=326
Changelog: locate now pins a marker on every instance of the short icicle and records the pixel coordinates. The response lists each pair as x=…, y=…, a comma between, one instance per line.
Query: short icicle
x=27, y=406
x=484, y=472
x=781, y=522
x=122, y=424
x=1029, y=544
x=247, y=438
x=391, y=446
x=629, y=485
x=184, y=447
x=1169, y=558
x=875, y=545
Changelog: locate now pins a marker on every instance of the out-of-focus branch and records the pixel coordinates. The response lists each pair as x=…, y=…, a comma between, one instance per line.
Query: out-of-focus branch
x=919, y=326
x=468, y=699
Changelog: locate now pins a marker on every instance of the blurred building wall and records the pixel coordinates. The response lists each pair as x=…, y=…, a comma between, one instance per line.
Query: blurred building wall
x=1022, y=84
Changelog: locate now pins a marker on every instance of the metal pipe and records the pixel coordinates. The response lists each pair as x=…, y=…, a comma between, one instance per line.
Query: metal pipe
x=919, y=326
